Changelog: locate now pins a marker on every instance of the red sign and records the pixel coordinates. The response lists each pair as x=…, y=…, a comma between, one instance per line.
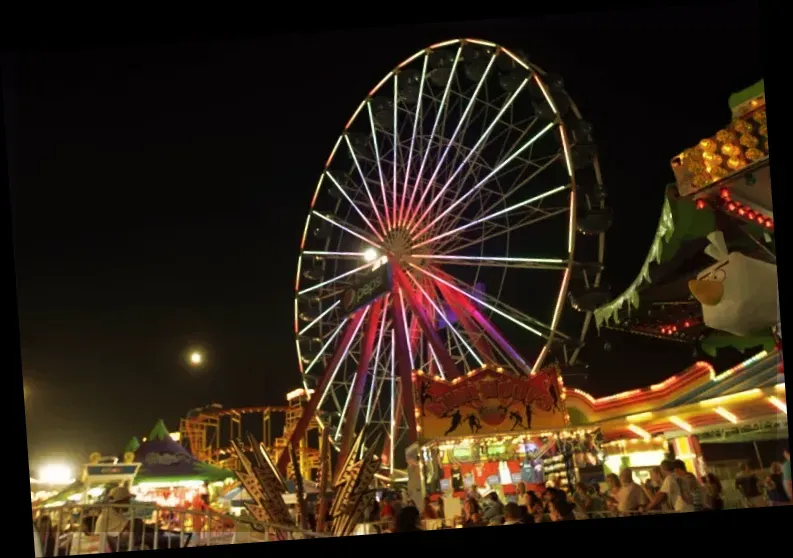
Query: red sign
x=489, y=402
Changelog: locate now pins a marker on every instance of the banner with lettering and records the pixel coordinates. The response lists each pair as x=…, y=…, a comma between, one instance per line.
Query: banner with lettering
x=488, y=402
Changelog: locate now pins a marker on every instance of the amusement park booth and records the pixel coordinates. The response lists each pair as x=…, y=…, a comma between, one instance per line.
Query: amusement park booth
x=494, y=430
x=171, y=477
x=684, y=412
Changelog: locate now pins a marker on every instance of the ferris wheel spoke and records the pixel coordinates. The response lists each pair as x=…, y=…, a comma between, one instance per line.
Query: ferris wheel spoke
x=524, y=203
x=379, y=165
x=462, y=120
x=452, y=219
x=321, y=352
x=316, y=320
x=489, y=176
x=467, y=293
x=354, y=206
x=504, y=307
x=335, y=255
x=496, y=261
x=439, y=113
x=443, y=317
x=334, y=279
x=416, y=222
x=457, y=243
x=416, y=119
x=348, y=229
x=364, y=181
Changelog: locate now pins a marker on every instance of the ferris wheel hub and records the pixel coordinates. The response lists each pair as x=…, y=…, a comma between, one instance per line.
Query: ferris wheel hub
x=398, y=243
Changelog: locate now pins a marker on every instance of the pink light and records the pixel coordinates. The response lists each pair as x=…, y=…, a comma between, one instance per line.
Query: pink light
x=412, y=141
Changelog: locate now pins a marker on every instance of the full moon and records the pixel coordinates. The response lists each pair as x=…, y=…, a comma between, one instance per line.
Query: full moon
x=195, y=358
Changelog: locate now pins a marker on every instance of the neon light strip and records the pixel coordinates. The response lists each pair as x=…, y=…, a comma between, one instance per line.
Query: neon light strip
x=489, y=259
x=642, y=433
x=355, y=206
x=325, y=346
x=739, y=367
x=343, y=356
x=778, y=403
x=680, y=423
x=726, y=414
x=329, y=281
x=332, y=254
x=350, y=231
x=376, y=360
x=402, y=215
x=363, y=181
x=379, y=165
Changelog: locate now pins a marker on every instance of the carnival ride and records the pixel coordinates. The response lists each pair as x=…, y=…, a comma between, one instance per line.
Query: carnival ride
x=719, y=208
x=209, y=431
x=461, y=191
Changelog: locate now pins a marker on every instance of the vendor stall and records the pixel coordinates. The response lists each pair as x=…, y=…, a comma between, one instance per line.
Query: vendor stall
x=494, y=430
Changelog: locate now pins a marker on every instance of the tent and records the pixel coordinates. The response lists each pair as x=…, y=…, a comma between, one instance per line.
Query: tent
x=164, y=460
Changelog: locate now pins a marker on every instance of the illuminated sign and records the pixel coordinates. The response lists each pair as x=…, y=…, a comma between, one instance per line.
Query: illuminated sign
x=367, y=289
x=488, y=402
x=112, y=470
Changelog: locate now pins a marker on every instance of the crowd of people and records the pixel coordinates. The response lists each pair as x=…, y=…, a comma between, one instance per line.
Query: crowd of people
x=670, y=488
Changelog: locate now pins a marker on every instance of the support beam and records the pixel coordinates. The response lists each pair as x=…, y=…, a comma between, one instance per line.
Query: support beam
x=311, y=408
x=446, y=362
x=351, y=416
x=403, y=365
x=484, y=323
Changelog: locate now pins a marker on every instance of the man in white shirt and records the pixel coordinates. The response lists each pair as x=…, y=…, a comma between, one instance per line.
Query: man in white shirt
x=630, y=496
x=668, y=497
x=112, y=521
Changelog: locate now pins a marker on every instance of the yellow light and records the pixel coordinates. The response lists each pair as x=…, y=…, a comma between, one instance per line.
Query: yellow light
x=370, y=255
x=56, y=473
x=195, y=357
x=708, y=146
x=680, y=423
x=641, y=432
x=779, y=404
x=726, y=414
x=733, y=398
x=754, y=154
x=780, y=387
x=640, y=417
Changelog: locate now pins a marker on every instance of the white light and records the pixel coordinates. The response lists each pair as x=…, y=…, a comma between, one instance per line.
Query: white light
x=56, y=474
x=196, y=358
x=370, y=255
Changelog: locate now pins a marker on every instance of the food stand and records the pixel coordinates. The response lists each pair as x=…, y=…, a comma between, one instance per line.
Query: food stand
x=493, y=430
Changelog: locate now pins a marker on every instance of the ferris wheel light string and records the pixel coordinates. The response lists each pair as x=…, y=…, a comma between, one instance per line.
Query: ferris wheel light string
x=376, y=359
x=481, y=139
x=494, y=215
x=488, y=259
x=446, y=321
x=490, y=175
x=344, y=410
x=405, y=323
x=363, y=181
x=478, y=301
x=324, y=347
x=394, y=185
x=434, y=128
x=412, y=141
x=541, y=85
x=348, y=230
x=329, y=281
x=379, y=165
x=318, y=318
x=468, y=107
x=354, y=206
x=327, y=164
x=392, y=441
x=343, y=356
x=334, y=254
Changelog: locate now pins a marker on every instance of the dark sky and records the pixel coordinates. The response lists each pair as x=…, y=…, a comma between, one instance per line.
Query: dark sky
x=159, y=194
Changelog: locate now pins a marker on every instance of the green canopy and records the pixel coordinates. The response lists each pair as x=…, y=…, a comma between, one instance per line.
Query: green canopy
x=680, y=222
x=164, y=460
x=741, y=97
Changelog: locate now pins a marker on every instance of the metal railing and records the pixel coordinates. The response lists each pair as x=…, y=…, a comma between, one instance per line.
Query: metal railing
x=71, y=530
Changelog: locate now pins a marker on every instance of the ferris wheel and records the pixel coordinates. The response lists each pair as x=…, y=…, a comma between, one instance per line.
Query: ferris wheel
x=461, y=206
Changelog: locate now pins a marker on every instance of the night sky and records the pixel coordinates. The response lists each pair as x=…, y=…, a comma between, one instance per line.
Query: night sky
x=159, y=193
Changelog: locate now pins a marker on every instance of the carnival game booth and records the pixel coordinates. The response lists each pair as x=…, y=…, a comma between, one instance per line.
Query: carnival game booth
x=695, y=407
x=169, y=476
x=493, y=430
